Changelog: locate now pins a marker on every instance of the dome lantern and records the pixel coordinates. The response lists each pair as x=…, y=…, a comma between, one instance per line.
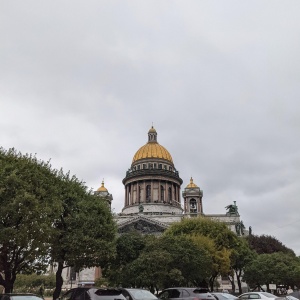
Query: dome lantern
x=152, y=135
x=152, y=149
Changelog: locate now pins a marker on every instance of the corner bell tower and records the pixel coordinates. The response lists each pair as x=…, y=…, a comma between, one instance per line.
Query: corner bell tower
x=192, y=196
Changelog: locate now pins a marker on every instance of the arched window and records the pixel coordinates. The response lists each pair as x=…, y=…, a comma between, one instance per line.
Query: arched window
x=148, y=193
x=193, y=206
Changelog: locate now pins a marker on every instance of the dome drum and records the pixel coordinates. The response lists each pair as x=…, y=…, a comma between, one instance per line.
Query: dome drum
x=151, y=191
x=152, y=163
x=152, y=173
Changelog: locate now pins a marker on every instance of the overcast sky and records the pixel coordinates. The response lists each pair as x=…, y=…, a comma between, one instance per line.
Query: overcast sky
x=82, y=81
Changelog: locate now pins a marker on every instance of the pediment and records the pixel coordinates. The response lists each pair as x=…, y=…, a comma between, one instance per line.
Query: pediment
x=142, y=225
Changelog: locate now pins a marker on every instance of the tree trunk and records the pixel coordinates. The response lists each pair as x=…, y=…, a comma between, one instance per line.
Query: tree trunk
x=238, y=278
x=59, y=281
x=211, y=282
x=8, y=282
x=231, y=279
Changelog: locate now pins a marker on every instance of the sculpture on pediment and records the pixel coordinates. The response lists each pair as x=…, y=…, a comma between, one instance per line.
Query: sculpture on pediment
x=141, y=208
x=142, y=227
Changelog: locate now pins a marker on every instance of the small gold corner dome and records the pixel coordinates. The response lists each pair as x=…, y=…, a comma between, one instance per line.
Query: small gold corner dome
x=191, y=184
x=152, y=149
x=102, y=188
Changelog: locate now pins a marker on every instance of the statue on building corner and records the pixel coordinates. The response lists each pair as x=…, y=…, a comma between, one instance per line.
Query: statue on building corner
x=232, y=209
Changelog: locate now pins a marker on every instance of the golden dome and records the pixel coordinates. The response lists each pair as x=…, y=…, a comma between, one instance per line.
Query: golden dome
x=102, y=188
x=152, y=149
x=191, y=184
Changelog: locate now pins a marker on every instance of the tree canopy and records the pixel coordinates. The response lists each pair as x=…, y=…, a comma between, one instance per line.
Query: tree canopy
x=48, y=216
x=224, y=241
x=264, y=244
x=29, y=201
x=218, y=231
x=157, y=262
x=277, y=267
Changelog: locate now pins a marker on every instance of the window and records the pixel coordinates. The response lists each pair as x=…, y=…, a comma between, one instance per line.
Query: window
x=139, y=194
x=162, y=193
x=160, y=166
x=175, y=293
x=148, y=193
x=254, y=296
x=184, y=294
x=170, y=194
x=193, y=206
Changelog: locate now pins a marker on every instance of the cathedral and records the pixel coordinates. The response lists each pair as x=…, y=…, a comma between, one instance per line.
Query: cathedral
x=153, y=194
x=152, y=201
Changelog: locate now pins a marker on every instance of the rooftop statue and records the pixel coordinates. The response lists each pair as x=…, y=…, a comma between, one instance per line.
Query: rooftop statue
x=232, y=209
x=238, y=228
x=242, y=228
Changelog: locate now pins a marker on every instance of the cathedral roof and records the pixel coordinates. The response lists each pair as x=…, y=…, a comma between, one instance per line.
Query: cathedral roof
x=152, y=149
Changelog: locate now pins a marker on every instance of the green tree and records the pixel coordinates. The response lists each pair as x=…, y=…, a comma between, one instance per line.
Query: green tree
x=240, y=257
x=220, y=258
x=26, y=283
x=151, y=270
x=169, y=261
x=193, y=261
x=224, y=239
x=84, y=230
x=28, y=200
x=48, y=216
x=158, y=262
x=264, y=244
x=128, y=248
x=218, y=231
x=278, y=268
